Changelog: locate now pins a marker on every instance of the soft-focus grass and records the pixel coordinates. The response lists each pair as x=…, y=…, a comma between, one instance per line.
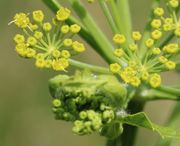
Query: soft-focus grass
x=25, y=111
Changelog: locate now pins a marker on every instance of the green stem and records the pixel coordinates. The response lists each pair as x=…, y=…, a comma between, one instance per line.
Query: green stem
x=93, y=68
x=129, y=134
x=171, y=90
x=115, y=15
x=105, y=47
x=85, y=34
x=147, y=30
x=154, y=94
x=125, y=15
x=108, y=15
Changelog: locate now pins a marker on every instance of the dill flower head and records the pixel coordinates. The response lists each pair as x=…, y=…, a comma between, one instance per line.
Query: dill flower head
x=136, y=69
x=50, y=43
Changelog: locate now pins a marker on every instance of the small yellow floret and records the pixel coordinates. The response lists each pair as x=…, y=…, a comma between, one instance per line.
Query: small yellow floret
x=135, y=81
x=47, y=26
x=149, y=43
x=155, y=80
x=159, y=11
x=136, y=35
x=78, y=47
x=174, y=3
x=156, y=51
x=40, y=63
x=31, y=53
x=31, y=41
x=38, y=35
x=65, y=54
x=60, y=64
x=65, y=29
x=170, y=65
x=119, y=39
x=171, y=48
x=19, y=38
x=114, y=67
x=38, y=16
x=75, y=28
x=21, y=20
x=119, y=52
x=67, y=42
x=167, y=27
x=156, y=23
x=63, y=14
x=48, y=63
x=156, y=34
x=56, y=53
x=133, y=47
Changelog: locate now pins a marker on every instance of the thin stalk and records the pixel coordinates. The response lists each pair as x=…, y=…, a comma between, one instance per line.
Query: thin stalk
x=93, y=68
x=89, y=23
x=154, y=94
x=147, y=30
x=125, y=15
x=115, y=15
x=171, y=90
x=98, y=46
x=108, y=15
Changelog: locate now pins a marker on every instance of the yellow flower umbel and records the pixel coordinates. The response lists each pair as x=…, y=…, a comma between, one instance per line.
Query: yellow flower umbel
x=135, y=69
x=51, y=44
x=169, y=22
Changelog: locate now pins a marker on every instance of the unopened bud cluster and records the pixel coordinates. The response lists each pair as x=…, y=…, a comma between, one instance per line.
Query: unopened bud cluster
x=88, y=113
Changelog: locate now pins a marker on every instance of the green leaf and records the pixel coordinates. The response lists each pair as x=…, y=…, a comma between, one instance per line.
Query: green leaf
x=141, y=120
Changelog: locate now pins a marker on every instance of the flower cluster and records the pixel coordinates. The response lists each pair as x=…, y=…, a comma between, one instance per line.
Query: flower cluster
x=86, y=101
x=49, y=43
x=135, y=68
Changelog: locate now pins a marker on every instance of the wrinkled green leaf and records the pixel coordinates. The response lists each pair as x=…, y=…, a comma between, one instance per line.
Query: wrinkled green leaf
x=141, y=120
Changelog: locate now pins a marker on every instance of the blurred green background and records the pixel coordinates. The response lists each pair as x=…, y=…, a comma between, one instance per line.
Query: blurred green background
x=25, y=104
